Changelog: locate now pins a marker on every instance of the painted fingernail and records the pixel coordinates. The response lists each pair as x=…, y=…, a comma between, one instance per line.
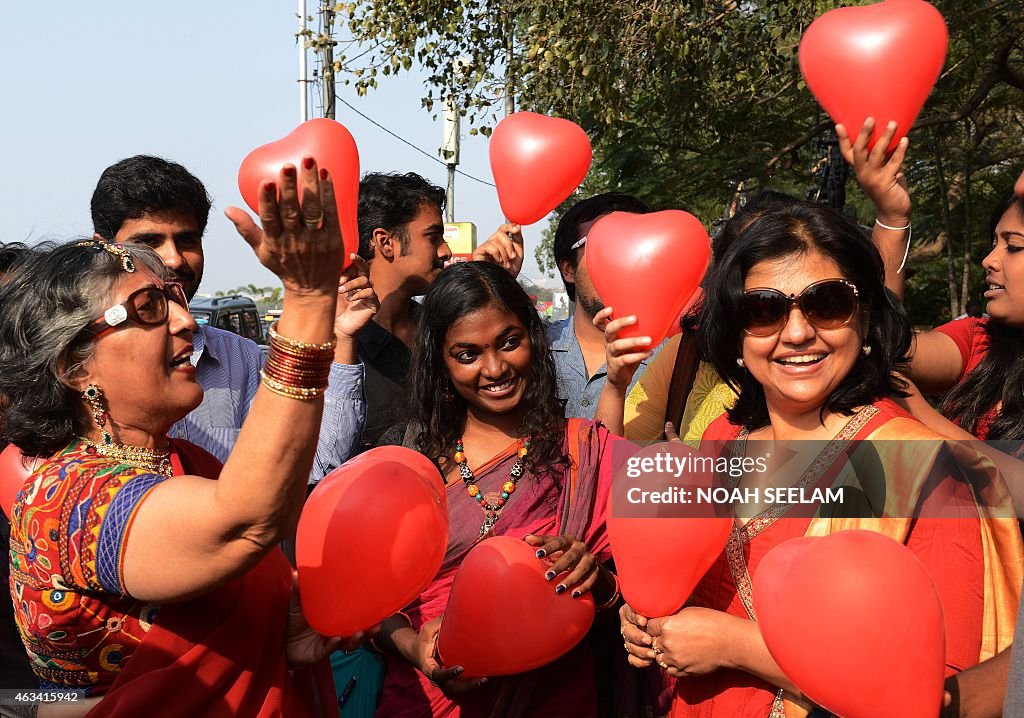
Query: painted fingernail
x=559, y=589
x=541, y=553
x=550, y=575
x=270, y=186
x=289, y=171
x=577, y=594
x=307, y=162
x=323, y=173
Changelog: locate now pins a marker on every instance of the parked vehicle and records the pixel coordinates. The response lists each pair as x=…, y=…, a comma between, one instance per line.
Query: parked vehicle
x=235, y=313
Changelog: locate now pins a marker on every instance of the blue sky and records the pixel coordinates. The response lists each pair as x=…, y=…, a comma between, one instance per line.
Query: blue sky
x=201, y=83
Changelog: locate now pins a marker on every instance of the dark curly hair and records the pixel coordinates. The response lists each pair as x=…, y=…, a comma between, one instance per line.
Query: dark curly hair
x=459, y=290
x=391, y=201
x=144, y=184
x=795, y=229
x=46, y=303
x=999, y=376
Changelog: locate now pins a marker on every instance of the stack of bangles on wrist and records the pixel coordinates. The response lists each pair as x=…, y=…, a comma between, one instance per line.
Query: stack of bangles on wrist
x=616, y=594
x=297, y=370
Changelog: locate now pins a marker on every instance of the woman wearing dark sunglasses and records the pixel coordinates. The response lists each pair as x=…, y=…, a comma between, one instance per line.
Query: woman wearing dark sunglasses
x=798, y=321
x=137, y=579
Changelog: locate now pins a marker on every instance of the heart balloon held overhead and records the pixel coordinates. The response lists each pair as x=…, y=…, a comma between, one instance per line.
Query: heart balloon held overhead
x=877, y=61
x=650, y=265
x=537, y=162
x=333, y=148
x=503, y=617
x=361, y=558
x=852, y=615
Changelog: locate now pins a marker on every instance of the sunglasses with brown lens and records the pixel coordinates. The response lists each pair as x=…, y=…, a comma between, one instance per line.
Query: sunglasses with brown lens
x=147, y=306
x=828, y=304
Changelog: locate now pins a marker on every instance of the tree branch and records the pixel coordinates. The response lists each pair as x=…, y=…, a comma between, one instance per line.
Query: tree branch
x=797, y=144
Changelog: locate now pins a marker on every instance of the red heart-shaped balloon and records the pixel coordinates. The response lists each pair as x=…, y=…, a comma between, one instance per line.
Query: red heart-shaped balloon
x=14, y=470
x=503, y=617
x=663, y=549
x=877, y=61
x=650, y=265
x=850, y=616
x=419, y=463
x=537, y=162
x=371, y=537
x=333, y=148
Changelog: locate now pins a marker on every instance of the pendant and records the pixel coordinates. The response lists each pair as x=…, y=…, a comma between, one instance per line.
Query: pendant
x=488, y=524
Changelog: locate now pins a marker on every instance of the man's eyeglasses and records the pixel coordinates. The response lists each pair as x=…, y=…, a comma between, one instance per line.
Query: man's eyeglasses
x=147, y=306
x=828, y=304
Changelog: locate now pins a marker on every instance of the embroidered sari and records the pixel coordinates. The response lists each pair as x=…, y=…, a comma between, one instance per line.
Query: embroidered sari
x=974, y=560
x=221, y=654
x=543, y=503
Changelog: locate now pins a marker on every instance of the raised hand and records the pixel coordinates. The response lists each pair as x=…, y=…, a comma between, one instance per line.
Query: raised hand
x=879, y=176
x=300, y=244
x=504, y=247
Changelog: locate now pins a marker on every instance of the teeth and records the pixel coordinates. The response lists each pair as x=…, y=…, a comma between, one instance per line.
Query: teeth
x=996, y=286
x=494, y=388
x=804, y=359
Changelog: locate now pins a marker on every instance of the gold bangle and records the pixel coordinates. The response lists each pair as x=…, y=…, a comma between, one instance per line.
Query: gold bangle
x=295, y=345
x=616, y=594
x=292, y=392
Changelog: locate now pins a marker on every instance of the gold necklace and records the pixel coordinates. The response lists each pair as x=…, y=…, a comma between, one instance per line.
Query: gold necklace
x=158, y=460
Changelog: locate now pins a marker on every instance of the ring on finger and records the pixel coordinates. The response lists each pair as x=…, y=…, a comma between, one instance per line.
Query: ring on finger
x=317, y=223
x=654, y=646
x=662, y=663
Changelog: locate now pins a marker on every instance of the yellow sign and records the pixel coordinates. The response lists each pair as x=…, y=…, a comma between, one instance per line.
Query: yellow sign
x=460, y=236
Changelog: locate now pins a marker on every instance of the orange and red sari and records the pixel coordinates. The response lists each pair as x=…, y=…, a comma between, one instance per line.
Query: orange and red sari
x=975, y=561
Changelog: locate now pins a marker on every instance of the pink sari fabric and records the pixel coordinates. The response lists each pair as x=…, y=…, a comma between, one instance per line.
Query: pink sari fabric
x=544, y=503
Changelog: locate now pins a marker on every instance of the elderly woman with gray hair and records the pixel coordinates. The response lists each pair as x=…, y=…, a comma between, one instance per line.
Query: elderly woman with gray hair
x=137, y=579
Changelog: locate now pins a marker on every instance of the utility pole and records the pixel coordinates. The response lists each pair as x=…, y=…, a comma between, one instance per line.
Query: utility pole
x=303, y=90
x=450, y=152
x=510, y=99
x=327, y=52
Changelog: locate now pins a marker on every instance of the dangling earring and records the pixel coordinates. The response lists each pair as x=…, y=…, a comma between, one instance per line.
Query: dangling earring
x=866, y=350
x=740, y=363
x=94, y=395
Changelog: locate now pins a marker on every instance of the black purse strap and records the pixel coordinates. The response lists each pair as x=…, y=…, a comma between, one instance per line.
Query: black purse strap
x=683, y=374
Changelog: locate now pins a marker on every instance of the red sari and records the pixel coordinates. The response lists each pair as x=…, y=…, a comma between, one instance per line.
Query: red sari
x=221, y=654
x=977, y=577
x=542, y=504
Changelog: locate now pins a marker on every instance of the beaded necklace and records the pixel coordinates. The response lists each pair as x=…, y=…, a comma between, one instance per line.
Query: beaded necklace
x=152, y=459
x=491, y=509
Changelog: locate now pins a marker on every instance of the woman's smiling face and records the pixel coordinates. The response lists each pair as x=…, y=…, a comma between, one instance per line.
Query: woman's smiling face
x=488, y=356
x=800, y=365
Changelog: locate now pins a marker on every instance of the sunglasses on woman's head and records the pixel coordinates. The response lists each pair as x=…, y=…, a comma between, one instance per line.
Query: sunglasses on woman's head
x=828, y=304
x=147, y=306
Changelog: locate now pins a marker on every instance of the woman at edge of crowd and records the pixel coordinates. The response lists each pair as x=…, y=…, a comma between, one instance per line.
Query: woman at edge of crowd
x=949, y=359
x=486, y=412
x=814, y=360
x=121, y=531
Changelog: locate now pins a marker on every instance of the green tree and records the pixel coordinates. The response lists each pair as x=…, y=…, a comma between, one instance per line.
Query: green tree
x=686, y=101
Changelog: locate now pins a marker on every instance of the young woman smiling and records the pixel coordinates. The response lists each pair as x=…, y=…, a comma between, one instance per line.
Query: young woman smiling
x=486, y=412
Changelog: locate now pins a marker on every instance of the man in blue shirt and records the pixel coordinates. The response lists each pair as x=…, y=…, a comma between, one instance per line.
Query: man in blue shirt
x=577, y=346
x=151, y=201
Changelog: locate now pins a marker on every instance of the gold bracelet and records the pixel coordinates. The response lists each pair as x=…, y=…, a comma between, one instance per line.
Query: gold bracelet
x=295, y=345
x=292, y=392
x=616, y=594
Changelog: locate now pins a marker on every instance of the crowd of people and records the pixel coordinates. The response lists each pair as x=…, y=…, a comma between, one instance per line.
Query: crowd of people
x=169, y=462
